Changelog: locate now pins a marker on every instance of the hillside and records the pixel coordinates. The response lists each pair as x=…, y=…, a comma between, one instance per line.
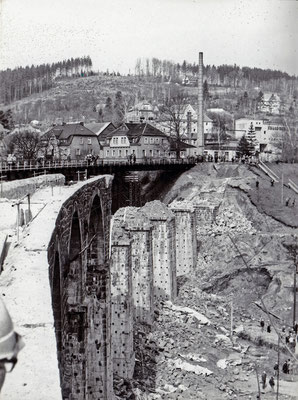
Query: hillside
x=85, y=98
x=76, y=98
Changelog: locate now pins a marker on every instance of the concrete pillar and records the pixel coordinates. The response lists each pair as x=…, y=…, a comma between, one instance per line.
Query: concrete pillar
x=163, y=250
x=185, y=237
x=139, y=229
x=121, y=302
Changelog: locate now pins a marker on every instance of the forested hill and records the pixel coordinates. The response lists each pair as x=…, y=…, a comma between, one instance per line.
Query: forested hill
x=21, y=82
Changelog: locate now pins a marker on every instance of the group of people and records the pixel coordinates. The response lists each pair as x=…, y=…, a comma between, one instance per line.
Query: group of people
x=290, y=202
x=262, y=324
x=132, y=158
x=264, y=379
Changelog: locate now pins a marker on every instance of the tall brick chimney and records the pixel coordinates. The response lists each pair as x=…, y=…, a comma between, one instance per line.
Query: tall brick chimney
x=200, y=127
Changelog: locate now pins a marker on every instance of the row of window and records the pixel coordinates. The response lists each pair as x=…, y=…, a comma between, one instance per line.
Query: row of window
x=125, y=153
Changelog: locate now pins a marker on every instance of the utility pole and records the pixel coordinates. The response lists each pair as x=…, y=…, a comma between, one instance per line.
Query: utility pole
x=278, y=361
x=295, y=289
x=259, y=389
x=231, y=327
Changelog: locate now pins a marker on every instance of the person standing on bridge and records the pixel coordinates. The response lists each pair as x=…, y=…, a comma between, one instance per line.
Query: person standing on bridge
x=134, y=157
x=10, y=344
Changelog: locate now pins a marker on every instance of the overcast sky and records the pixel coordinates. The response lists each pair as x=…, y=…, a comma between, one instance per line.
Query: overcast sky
x=255, y=33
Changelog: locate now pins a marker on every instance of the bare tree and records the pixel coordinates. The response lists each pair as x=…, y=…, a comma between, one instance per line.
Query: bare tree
x=288, y=141
x=24, y=145
x=171, y=118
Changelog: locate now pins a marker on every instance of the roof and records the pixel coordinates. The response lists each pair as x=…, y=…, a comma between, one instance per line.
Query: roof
x=178, y=143
x=98, y=127
x=136, y=130
x=71, y=129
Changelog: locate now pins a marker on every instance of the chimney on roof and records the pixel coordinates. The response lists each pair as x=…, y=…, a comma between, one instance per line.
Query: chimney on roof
x=82, y=123
x=200, y=119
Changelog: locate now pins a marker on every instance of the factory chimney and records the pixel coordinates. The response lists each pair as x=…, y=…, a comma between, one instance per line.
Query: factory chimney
x=200, y=111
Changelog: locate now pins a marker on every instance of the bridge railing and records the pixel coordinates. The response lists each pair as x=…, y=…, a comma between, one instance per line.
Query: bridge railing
x=47, y=165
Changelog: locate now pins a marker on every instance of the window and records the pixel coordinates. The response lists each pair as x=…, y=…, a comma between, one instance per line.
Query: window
x=156, y=140
x=108, y=153
x=119, y=153
x=113, y=153
x=81, y=141
x=151, y=140
x=145, y=140
x=78, y=152
x=89, y=141
x=123, y=140
x=115, y=140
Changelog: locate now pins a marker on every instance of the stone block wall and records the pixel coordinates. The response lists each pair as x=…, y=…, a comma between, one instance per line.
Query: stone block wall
x=185, y=237
x=19, y=188
x=80, y=283
x=145, y=251
x=163, y=250
x=121, y=300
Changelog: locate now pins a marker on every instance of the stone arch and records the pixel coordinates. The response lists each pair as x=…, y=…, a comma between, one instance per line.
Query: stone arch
x=57, y=304
x=97, y=288
x=73, y=363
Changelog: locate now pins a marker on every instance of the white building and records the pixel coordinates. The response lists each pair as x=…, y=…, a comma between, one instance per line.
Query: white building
x=268, y=134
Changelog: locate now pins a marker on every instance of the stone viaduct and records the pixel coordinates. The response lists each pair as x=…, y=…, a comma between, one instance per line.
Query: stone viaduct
x=107, y=273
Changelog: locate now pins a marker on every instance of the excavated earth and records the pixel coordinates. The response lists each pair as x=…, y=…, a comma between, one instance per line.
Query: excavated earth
x=244, y=272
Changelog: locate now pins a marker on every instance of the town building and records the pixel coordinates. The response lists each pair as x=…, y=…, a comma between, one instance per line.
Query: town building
x=142, y=142
x=101, y=129
x=268, y=134
x=69, y=141
x=187, y=116
x=270, y=103
x=142, y=112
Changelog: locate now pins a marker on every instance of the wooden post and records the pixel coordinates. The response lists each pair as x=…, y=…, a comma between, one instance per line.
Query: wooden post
x=259, y=389
x=295, y=288
x=282, y=188
x=29, y=207
x=278, y=361
x=231, y=327
x=18, y=221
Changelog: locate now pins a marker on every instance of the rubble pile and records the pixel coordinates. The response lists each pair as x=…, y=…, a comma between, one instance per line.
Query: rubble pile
x=207, y=343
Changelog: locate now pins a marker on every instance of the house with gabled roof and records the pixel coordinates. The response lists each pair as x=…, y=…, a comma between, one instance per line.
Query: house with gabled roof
x=142, y=112
x=101, y=129
x=69, y=141
x=270, y=103
x=142, y=141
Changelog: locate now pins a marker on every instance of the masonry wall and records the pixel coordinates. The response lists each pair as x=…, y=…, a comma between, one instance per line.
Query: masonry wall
x=19, y=188
x=80, y=282
x=163, y=250
x=185, y=237
x=121, y=301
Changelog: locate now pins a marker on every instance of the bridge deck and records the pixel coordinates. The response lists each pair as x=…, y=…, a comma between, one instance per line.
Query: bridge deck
x=21, y=170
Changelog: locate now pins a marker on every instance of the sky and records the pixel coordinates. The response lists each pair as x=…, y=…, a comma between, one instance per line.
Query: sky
x=254, y=33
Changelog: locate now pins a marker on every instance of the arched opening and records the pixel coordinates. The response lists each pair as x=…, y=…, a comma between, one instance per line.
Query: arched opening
x=56, y=304
x=97, y=287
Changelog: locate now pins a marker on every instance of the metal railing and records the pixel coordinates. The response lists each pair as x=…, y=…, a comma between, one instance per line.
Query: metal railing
x=27, y=166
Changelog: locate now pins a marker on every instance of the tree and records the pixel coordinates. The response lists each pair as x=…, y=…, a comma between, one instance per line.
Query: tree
x=24, y=145
x=108, y=110
x=171, y=117
x=244, y=148
x=287, y=142
x=119, y=109
x=6, y=119
x=251, y=138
